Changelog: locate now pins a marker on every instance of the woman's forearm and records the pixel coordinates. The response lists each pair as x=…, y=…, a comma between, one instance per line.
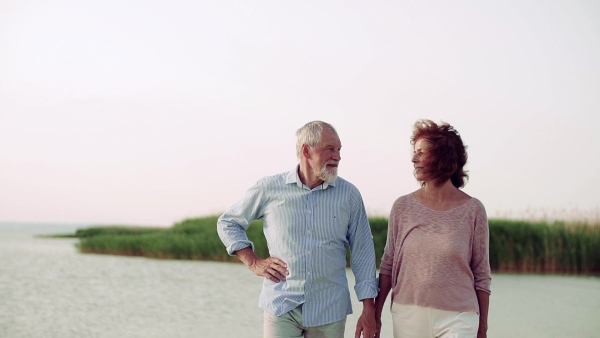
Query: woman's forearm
x=385, y=285
x=483, y=298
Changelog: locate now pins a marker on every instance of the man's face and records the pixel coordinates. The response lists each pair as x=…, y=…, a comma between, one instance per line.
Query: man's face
x=325, y=157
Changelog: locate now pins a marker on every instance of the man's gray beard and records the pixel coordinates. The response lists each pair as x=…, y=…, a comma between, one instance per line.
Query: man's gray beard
x=327, y=175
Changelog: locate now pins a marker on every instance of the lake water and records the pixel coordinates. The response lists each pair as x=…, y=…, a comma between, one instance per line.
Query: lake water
x=48, y=289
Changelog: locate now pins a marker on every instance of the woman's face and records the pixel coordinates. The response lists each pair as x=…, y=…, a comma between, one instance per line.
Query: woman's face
x=420, y=159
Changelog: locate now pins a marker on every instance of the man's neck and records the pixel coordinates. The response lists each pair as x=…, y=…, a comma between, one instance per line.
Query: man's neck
x=308, y=177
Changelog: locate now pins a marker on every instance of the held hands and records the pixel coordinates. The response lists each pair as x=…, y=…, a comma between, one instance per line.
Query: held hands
x=378, y=323
x=272, y=268
x=367, y=324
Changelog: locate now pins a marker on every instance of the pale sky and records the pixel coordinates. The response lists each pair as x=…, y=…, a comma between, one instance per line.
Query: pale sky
x=150, y=112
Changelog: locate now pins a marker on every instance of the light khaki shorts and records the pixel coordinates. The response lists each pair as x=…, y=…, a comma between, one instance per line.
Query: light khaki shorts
x=289, y=325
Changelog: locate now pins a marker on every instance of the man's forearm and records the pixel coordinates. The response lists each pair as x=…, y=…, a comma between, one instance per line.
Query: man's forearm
x=368, y=304
x=247, y=256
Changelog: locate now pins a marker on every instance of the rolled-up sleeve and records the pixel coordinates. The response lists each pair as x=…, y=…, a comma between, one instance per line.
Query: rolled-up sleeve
x=362, y=252
x=232, y=225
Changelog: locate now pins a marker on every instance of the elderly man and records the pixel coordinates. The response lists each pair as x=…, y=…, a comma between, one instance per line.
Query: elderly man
x=309, y=217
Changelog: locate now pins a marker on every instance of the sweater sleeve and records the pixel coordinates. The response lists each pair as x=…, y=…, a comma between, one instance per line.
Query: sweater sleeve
x=387, y=261
x=480, y=259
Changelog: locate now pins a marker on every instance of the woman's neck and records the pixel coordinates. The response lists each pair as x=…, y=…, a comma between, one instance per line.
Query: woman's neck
x=442, y=197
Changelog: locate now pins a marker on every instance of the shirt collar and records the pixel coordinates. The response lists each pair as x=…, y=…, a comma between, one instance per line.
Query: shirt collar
x=293, y=177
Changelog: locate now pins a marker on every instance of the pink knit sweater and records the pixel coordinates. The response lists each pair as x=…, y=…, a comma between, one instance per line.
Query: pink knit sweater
x=437, y=259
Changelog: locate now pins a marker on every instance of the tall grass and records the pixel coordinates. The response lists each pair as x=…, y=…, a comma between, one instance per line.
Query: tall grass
x=194, y=238
x=540, y=247
x=515, y=246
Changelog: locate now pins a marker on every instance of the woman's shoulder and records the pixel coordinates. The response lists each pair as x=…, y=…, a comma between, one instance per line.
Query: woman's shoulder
x=476, y=201
x=404, y=198
x=476, y=206
x=403, y=201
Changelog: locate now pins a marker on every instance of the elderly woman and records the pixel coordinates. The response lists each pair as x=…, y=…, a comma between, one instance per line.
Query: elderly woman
x=436, y=259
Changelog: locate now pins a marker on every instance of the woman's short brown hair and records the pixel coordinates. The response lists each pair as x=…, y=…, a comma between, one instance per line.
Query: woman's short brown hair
x=447, y=155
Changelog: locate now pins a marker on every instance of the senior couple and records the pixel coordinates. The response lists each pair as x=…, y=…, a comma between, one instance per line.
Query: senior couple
x=435, y=263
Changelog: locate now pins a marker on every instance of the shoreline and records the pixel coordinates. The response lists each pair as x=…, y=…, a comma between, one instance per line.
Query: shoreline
x=522, y=247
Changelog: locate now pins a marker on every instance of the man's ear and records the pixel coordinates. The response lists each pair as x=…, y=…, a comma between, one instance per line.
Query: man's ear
x=305, y=152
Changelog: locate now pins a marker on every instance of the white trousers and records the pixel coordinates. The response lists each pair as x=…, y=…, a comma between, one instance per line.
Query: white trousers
x=411, y=321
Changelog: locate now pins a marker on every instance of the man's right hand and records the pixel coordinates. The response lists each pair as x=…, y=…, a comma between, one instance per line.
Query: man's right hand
x=272, y=268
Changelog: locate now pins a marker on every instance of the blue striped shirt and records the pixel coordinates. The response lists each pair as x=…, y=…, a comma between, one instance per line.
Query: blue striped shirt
x=309, y=230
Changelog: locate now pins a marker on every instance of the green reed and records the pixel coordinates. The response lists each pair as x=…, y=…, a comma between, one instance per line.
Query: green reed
x=515, y=246
x=195, y=238
x=116, y=230
x=541, y=247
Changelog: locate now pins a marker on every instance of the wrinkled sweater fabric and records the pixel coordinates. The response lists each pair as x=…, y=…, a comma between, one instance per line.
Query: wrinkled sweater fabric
x=437, y=259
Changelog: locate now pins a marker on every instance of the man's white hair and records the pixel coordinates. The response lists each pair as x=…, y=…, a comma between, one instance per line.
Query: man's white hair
x=310, y=134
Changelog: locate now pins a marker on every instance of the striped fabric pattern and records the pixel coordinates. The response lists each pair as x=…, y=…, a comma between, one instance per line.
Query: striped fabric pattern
x=309, y=230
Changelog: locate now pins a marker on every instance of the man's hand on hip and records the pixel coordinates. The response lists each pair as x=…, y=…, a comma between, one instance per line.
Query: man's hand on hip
x=272, y=268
